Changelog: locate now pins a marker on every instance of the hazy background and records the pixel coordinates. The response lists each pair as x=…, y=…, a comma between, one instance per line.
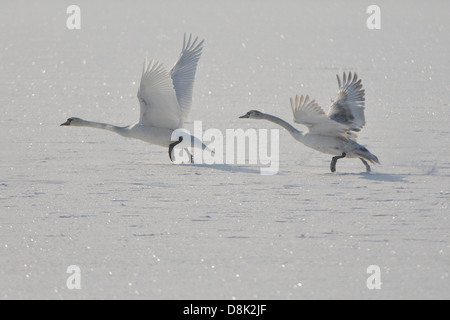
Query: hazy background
x=140, y=227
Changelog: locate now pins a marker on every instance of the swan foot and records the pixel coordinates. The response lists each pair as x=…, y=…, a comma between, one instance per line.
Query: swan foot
x=334, y=160
x=191, y=156
x=366, y=164
x=172, y=145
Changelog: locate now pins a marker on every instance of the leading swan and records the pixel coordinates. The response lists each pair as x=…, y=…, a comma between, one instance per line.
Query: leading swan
x=331, y=133
x=165, y=99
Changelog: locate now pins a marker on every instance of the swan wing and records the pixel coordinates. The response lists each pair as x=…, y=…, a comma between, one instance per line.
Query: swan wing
x=183, y=73
x=156, y=94
x=310, y=114
x=348, y=108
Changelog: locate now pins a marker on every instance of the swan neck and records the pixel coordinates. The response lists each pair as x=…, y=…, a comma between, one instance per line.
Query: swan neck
x=293, y=131
x=104, y=126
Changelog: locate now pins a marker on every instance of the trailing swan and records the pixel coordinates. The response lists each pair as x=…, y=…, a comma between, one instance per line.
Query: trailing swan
x=332, y=133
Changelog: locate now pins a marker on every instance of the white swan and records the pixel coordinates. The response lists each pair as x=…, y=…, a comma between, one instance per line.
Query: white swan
x=165, y=99
x=331, y=133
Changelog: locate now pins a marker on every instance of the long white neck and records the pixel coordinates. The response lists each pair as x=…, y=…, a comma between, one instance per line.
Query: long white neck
x=123, y=131
x=298, y=135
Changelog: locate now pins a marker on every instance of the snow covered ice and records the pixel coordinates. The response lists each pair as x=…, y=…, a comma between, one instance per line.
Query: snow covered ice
x=141, y=227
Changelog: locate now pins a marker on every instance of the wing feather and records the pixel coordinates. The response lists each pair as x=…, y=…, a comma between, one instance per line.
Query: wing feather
x=348, y=108
x=310, y=114
x=159, y=104
x=183, y=73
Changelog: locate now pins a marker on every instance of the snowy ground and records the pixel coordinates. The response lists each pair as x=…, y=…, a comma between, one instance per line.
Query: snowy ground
x=140, y=227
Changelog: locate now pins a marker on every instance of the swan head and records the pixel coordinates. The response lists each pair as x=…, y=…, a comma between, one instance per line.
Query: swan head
x=72, y=122
x=253, y=114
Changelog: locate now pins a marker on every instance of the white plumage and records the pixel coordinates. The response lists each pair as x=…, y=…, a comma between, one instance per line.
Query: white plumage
x=165, y=100
x=348, y=108
x=166, y=97
x=332, y=133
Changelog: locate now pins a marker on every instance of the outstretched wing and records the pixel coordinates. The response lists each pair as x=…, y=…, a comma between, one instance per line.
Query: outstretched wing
x=159, y=105
x=310, y=114
x=183, y=73
x=348, y=108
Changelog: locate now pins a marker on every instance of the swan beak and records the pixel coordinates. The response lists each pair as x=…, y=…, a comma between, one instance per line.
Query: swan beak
x=67, y=123
x=244, y=116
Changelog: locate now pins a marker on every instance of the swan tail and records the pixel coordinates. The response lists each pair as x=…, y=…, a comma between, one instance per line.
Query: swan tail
x=363, y=153
x=205, y=147
x=197, y=143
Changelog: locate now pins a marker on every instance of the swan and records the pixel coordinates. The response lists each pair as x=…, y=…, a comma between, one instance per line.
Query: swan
x=165, y=101
x=332, y=133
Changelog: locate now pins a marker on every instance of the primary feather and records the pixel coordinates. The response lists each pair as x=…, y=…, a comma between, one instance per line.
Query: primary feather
x=348, y=108
x=166, y=97
x=183, y=73
x=310, y=114
x=159, y=105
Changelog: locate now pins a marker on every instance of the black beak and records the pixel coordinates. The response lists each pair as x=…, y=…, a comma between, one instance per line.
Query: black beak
x=244, y=116
x=67, y=123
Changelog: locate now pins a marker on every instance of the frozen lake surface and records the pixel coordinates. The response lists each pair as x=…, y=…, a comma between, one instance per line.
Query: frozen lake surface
x=140, y=227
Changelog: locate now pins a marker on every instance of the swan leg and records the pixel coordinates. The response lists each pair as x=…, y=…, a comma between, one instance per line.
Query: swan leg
x=366, y=164
x=191, y=156
x=172, y=145
x=334, y=160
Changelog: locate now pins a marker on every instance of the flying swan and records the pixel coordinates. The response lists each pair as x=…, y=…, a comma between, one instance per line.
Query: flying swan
x=332, y=133
x=165, y=99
